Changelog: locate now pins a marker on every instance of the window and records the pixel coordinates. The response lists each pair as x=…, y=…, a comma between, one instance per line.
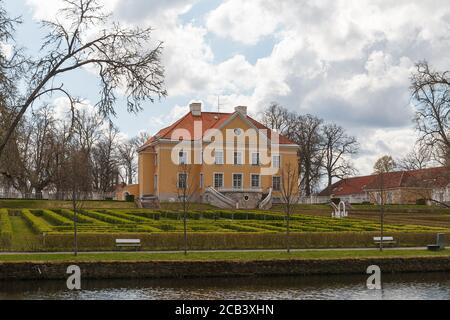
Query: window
x=155, y=182
x=218, y=180
x=237, y=181
x=182, y=157
x=255, y=181
x=201, y=180
x=238, y=158
x=276, y=161
x=276, y=183
x=182, y=181
x=219, y=157
x=255, y=159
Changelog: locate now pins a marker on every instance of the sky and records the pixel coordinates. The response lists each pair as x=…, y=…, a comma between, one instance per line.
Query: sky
x=346, y=61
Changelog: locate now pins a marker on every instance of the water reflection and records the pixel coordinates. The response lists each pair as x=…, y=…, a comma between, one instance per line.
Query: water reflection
x=431, y=286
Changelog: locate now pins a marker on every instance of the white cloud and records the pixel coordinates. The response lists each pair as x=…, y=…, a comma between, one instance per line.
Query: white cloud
x=243, y=21
x=345, y=60
x=395, y=142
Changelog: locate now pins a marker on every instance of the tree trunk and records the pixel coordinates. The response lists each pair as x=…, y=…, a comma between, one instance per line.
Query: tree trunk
x=288, y=218
x=75, y=231
x=185, y=224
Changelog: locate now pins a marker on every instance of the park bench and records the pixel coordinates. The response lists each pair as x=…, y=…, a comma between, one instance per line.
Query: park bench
x=128, y=243
x=440, y=243
x=384, y=240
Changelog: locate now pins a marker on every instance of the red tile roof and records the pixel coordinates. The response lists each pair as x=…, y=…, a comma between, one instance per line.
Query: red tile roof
x=425, y=178
x=348, y=186
x=210, y=120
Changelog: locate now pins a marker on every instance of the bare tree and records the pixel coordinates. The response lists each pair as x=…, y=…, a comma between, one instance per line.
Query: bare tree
x=382, y=166
x=140, y=139
x=431, y=92
x=337, y=147
x=128, y=154
x=105, y=162
x=187, y=187
x=419, y=158
x=78, y=168
x=117, y=54
x=276, y=117
x=306, y=132
x=290, y=195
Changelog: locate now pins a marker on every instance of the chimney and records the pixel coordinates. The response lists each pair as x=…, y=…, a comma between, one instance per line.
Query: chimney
x=196, y=109
x=242, y=110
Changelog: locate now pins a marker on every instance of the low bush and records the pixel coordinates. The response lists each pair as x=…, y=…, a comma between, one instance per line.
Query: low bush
x=53, y=217
x=6, y=230
x=231, y=240
x=105, y=217
x=37, y=224
x=80, y=217
x=421, y=202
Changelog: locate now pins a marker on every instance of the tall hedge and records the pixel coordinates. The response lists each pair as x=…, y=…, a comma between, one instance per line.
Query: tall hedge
x=5, y=229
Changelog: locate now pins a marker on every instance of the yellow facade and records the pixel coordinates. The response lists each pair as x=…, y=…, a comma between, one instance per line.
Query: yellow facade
x=158, y=173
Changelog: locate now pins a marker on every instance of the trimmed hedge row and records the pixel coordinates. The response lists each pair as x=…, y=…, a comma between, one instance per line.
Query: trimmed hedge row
x=206, y=214
x=53, y=218
x=132, y=217
x=106, y=217
x=5, y=229
x=80, y=217
x=37, y=224
x=220, y=241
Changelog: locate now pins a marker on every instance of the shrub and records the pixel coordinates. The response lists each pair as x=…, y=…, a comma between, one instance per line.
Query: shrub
x=129, y=198
x=421, y=202
x=53, y=218
x=5, y=229
x=80, y=217
x=231, y=240
x=37, y=224
x=105, y=217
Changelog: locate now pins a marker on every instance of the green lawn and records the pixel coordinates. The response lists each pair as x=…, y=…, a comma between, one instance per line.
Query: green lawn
x=23, y=238
x=220, y=256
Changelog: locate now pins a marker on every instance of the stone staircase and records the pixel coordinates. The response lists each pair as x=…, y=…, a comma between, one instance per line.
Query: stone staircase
x=148, y=202
x=266, y=202
x=217, y=199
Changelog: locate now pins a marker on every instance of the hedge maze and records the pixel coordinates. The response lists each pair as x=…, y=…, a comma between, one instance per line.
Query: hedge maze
x=160, y=221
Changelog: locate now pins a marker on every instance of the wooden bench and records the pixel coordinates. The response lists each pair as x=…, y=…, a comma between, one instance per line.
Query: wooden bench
x=128, y=243
x=385, y=240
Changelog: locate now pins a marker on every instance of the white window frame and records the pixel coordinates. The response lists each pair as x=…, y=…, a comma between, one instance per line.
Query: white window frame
x=242, y=180
x=182, y=157
x=238, y=160
x=259, y=181
x=273, y=184
x=222, y=158
x=274, y=163
x=186, y=182
x=214, y=180
x=258, y=161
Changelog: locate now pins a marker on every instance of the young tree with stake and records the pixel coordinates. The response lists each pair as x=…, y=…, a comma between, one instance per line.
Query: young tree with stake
x=290, y=195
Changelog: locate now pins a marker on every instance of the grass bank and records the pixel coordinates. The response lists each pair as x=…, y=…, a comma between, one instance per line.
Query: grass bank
x=221, y=256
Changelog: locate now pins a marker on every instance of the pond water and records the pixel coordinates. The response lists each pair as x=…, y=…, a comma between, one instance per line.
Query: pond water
x=429, y=286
